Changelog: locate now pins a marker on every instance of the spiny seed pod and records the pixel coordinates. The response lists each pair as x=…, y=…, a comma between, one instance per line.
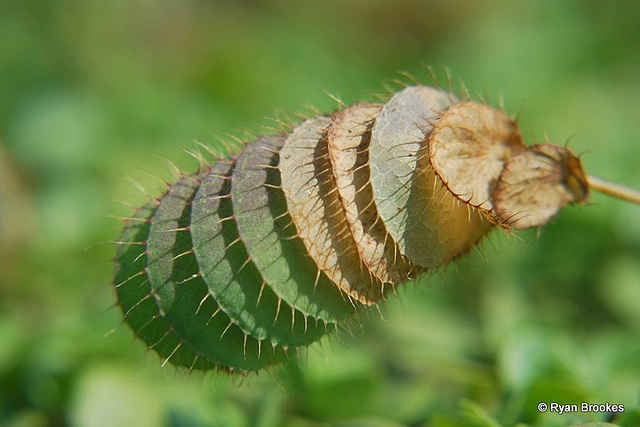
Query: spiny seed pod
x=261, y=254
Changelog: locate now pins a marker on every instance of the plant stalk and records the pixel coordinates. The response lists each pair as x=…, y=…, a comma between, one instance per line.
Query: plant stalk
x=613, y=189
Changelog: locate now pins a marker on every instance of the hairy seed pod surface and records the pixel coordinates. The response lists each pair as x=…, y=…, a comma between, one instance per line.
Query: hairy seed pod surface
x=266, y=252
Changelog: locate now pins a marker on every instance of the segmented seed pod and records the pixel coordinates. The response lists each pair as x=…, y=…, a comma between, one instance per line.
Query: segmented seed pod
x=256, y=256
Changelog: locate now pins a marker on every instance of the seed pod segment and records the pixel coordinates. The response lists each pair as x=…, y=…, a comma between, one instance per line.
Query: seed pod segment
x=136, y=300
x=428, y=223
x=266, y=230
x=315, y=208
x=536, y=183
x=468, y=148
x=177, y=279
x=348, y=141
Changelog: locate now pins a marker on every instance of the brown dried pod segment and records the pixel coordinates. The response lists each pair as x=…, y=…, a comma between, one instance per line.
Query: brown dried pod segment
x=479, y=154
x=348, y=146
x=536, y=183
x=315, y=208
x=468, y=148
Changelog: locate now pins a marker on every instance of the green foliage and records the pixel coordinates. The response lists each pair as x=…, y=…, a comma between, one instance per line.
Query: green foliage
x=90, y=90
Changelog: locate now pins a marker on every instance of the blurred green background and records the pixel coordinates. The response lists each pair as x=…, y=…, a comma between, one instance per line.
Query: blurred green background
x=94, y=92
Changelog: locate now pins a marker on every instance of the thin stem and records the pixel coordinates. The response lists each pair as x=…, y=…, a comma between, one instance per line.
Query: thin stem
x=613, y=189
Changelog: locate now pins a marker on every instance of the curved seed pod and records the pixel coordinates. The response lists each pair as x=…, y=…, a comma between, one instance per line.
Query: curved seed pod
x=264, y=253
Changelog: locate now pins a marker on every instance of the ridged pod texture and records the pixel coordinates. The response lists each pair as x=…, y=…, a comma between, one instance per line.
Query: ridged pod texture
x=256, y=256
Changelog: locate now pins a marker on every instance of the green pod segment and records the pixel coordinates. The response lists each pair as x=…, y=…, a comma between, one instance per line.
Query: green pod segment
x=232, y=278
x=135, y=297
x=180, y=291
x=266, y=229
